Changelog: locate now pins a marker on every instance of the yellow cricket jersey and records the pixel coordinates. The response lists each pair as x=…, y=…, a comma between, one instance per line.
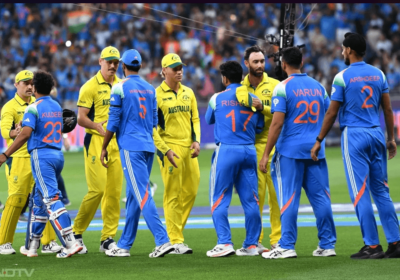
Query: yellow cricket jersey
x=95, y=95
x=178, y=117
x=264, y=93
x=11, y=114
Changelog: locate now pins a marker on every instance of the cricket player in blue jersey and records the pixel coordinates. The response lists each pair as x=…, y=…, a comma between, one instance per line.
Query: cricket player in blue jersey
x=357, y=94
x=299, y=104
x=132, y=116
x=42, y=128
x=234, y=162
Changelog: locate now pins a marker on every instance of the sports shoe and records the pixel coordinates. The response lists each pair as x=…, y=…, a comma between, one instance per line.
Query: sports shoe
x=181, y=249
x=368, y=252
x=324, y=252
x=118, y=252
x=66, y=253
x=273, y=246
x=153, y=188
x=107, y=244
x=1, y=205
x=279, y=253
x=161, y=250
x=7, y=249
x=52, y=247
x=29, y=253
x=250, y=251
x=261, y=249
x=78, y=237
x=23, y=218
x=393, y=250
x=221, y=250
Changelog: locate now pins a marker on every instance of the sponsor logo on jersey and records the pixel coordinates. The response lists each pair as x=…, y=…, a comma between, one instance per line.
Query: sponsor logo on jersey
x=102, y=92
x=93, y=159
x=177, y=109
x=81, y=101
x=170, y=169
x=27, y=120
x=167, y=99
x=15, y=179
x=333, y=90
x=276, y=101
x=112, y=99
x=106, y=102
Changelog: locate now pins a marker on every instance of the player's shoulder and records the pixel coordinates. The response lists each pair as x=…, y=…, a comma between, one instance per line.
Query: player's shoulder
x=274, y=82
x=339, y=78
x=89, y=85
x=213, y=99
x=9, y=105
x=377, y=71
x=187, y=89
x=33, y=108
x=280, y=88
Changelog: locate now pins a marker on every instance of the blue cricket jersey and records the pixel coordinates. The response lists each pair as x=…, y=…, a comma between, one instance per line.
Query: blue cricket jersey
x=45, y=118
x=234, y=123
x=133, y=114
x=359, y=88
x=304, y=102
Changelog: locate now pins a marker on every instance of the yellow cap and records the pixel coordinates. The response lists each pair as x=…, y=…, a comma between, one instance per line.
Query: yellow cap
x=110, y=53
x=24, y=75
x=171, y=60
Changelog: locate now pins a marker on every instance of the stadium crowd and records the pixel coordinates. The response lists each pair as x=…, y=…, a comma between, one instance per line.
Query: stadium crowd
x=33, y=36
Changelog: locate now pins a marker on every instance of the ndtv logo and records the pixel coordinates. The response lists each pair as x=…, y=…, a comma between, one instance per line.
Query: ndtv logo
x=16, y=272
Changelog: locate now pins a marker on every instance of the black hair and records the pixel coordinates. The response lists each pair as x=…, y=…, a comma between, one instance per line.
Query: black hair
x=250, y=50
x=133, y=68
x=292, y=56
x=356, y=42
x=43, y=82
x=232, y=70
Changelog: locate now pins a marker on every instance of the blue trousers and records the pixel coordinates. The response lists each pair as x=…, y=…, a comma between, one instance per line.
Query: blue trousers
x=137, y=168
x=235, y=165
x=365, y=165
x=47, y=165
x=289, y=176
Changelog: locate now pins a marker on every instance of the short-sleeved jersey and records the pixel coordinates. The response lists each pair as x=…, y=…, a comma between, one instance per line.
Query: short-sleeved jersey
x=178, y=117
x=359, y=88
x=264, y=93
x=234, y=123
x=304, y=102
x=11, y=114
x=133, y=114
x=45, y=118
x=95, y=95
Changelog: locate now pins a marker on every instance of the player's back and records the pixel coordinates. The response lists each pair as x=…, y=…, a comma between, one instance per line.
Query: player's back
x=304, y=102
x=359, y=88
x=234, y=124
x=138, y=103
x=45, y=118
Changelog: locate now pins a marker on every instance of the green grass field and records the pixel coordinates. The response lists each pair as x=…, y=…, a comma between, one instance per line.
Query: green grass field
x=96, y=265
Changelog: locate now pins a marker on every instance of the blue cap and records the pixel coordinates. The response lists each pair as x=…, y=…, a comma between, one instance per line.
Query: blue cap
x=131, y=58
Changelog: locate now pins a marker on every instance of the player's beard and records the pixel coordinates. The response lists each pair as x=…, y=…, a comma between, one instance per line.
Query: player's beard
x=347, y=61
x=253, y=72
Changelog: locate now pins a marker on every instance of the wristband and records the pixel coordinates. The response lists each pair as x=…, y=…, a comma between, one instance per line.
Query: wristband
x=7, y=157
x=319, y=140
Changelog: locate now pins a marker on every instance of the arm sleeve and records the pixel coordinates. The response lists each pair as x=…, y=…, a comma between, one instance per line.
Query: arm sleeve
x=31, y=116
x=7, y=121
x=114, y=115
x=279, y=99
x=385, y=85
x=85, y=97
x=338, y=87
x=210, y=117
x=159, y=143
x=260, y=123
x=195, y=121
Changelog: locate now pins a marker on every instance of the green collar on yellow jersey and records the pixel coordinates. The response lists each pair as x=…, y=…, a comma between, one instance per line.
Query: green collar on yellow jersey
x=21, y=101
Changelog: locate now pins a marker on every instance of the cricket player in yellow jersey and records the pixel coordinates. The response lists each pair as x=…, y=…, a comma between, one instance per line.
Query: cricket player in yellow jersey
x=18, y=168
x=259, y=84
x=104, y=184
x=178, y=135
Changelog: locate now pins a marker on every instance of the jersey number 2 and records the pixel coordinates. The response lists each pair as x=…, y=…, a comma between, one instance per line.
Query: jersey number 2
x=365, y=105
x=232, y=115
x=53, y=136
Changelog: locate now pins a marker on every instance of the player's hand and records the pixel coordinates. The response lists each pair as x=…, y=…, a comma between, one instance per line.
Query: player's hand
x=315, y=151
x=104, y=155
x=170, y=155
x=99, y=127
x=257, y=104
x=392, y=148
x=196, y=149
x=14, y=133
x=263, y=164
x=3, y=159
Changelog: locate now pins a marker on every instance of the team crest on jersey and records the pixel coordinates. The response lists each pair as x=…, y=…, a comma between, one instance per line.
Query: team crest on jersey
x=185, y=98
x=266, y=92
x=93, y=159
x=170, y=169
x=15, y=179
